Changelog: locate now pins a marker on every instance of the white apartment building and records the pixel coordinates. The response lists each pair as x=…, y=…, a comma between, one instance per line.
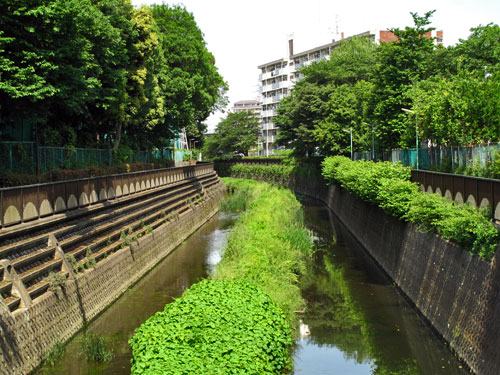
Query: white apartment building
x=247, y=105
x=278, y=78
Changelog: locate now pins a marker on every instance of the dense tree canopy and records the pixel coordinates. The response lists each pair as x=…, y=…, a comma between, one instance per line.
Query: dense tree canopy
x=234, y=135
x=98, y=72
x=454, y=92
x=333, y=96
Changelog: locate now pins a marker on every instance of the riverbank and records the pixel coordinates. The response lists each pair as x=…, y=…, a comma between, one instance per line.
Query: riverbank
x=455, y=291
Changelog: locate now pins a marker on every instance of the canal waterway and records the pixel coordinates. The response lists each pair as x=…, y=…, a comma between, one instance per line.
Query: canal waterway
x=358, y=322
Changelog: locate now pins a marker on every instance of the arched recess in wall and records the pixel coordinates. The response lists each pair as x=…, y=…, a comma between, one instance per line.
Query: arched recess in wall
x=448, y=196
x=471, y=201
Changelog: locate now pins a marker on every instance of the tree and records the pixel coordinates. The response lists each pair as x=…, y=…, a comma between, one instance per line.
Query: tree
x=298, y=115
x=400, y=64
x=332, y=97
x=190, y=83
x=348, y=108
x=460, y=110
x=236, y=134
x=24, y=64
x=481, y=50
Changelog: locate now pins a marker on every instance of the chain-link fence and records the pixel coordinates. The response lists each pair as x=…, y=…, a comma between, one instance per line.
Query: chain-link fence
x=23, y=157
x=480, y=160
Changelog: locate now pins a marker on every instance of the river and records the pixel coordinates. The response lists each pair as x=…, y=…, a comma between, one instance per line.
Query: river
x=358, y=322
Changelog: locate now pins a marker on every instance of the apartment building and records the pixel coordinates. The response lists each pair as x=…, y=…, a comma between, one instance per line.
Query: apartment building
x=278, y=78
x=253, y=105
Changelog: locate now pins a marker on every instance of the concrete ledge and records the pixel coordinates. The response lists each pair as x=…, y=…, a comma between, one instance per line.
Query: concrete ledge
x=28, y=334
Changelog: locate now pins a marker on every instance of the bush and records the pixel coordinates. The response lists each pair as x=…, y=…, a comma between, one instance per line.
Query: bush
x=388, y=186
x=270, y=173
x=217, y=327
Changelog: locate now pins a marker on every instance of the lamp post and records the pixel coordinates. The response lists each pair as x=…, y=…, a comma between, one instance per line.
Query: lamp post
x=350, y=132
x=373, y=138
x=416, y=129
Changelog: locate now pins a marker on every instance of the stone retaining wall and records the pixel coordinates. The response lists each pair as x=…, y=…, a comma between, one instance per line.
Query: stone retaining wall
x=456, y=292
x=28, y=334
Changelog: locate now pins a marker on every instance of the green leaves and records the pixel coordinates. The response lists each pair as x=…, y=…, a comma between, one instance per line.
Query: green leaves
x=388, y=186
x=235, y=134
x=217, y=327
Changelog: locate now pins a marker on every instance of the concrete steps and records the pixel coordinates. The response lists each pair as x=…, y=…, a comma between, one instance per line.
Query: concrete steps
x=88, y=236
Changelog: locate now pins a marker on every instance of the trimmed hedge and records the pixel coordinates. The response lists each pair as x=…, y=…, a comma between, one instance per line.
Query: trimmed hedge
x=217, y=327
x=388, y=185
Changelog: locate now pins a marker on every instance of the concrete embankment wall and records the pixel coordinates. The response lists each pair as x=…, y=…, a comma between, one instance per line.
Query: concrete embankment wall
x=456, y=292
x=28, y=334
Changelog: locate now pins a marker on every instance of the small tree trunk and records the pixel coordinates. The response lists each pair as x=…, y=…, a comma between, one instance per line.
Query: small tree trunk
x=118, y=131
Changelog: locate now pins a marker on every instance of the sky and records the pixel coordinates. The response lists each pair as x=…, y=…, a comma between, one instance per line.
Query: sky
x=245, y=34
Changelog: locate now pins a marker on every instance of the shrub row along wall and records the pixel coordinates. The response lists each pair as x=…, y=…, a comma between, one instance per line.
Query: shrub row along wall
x=27, y=335
x=457, y=292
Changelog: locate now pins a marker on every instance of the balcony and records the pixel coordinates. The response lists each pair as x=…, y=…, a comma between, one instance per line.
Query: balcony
x=268, y=113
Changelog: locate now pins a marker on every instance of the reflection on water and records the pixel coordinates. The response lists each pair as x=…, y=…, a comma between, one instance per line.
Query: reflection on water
x=189, y=263
x=359, y=324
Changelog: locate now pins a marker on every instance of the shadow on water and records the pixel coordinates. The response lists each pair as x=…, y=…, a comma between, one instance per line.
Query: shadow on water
x=190, y=262
x=358, y=322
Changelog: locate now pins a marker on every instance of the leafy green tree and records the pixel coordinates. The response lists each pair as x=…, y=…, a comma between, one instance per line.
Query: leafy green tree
x=401, y=63
x=348, y=107
x=353, y=60
x=146, y=105
x=298, y=115
x=481, y=50
x=190, y=83
x=24, y=64
x=236, y=134
x=460, y=110
x=332, y=97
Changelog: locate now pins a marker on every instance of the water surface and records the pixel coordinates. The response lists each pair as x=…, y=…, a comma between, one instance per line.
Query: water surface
x=359, y=322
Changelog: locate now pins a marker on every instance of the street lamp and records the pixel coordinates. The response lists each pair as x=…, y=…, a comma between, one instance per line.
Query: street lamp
x=350, y=131
x=373, y=139
x=416, y=129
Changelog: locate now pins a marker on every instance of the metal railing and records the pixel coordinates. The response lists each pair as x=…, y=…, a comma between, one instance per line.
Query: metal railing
x=24, y=157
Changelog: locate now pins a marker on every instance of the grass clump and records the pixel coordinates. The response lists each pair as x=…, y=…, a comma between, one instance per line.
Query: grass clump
x=95, y=348
x=388, y=185
x=269, y=246
x=240, y=193
x=217, y=327
x=55, y=353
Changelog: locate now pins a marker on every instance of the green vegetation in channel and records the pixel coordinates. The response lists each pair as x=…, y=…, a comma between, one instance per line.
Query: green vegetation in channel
x=95, y=348
x=217, y=327
x=241, y=321
x=269, y=246
x=388, y=185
